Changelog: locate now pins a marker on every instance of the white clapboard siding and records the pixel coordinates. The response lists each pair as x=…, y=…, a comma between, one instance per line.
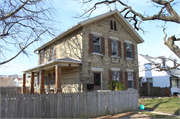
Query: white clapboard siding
x=67, y=105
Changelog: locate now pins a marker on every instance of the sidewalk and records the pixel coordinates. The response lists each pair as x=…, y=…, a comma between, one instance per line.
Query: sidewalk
x=162, y=113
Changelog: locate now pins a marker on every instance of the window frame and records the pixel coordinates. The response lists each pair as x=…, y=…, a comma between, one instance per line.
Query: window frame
x=132, y=79
x=113, y=25
x=128, y=50
x=117, y=77
x=117, y=55
x=51, y=54
x=41, y=57
x=96, y=44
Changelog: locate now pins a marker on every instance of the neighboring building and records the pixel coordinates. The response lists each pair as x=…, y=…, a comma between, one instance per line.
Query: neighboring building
x=7, y=82
x=149, y=73
x=95, y=51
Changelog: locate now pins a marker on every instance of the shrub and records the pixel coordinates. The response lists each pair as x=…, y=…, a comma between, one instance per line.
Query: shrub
x=119, y=86
x=112, y=85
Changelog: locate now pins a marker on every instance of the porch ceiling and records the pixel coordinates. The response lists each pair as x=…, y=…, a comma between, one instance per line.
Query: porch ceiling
x=50, y=65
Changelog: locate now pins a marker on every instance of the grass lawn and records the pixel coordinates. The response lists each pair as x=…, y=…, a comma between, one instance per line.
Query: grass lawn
x=157, y=115
x=168, y=105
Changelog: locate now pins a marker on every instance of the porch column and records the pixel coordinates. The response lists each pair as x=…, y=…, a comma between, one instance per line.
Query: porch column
x=58, y=73
x=42, y=90
x=32, y=82
x=24, y=83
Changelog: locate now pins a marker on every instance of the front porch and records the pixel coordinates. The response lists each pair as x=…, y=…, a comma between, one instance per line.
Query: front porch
x=47, y=78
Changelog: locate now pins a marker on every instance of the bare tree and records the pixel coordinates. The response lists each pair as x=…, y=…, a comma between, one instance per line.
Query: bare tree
x=166, y=14
x=22, y=22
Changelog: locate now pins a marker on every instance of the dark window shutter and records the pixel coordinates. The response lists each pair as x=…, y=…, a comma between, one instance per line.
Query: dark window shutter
x=115, y=26
x=119, y=49
x=133, y=53
x=134, y=80
x=50, y=54
x=90, y=43
x=109, y=47
x=54, y=52
x=126, y=80
x=110, y=78
x=102, y=46
x=125, y=51
x=111, y=24
x=121, y=77
x=170, y=82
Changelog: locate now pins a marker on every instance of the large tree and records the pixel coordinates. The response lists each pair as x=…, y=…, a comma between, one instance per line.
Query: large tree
x=165, y=14
x=23, y=22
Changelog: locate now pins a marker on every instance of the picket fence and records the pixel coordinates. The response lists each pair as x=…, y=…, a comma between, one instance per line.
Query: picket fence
x=67, y=105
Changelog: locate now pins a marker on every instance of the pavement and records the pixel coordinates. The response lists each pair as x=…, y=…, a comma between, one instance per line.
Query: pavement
x=162, y=113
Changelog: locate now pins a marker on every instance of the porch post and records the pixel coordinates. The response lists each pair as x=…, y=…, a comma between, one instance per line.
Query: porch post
x=58, y=72
x=24, y=83
x=42, y=90
x=32, y=82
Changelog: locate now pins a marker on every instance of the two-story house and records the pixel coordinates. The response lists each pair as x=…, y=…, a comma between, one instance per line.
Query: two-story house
x=149, y=72
x=95, y=51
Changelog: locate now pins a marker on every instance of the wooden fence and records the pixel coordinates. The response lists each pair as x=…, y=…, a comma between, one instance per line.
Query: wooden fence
x=148, y=90
x=67, y=105
x=12, y=89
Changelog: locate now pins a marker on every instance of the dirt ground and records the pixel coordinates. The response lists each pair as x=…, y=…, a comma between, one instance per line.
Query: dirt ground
x=126, y=115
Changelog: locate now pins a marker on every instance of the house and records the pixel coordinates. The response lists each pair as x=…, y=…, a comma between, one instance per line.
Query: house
x=95, y=51
x=149, y=73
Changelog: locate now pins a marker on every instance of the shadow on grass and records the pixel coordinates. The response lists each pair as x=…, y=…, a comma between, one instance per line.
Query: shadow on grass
x=177, y=112
x=160, y=101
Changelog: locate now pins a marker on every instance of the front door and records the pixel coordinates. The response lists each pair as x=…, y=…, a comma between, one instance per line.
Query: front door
x=97, y=81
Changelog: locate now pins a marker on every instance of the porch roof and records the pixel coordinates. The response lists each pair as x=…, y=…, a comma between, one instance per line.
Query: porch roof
x=50, y=65
x=174, y=72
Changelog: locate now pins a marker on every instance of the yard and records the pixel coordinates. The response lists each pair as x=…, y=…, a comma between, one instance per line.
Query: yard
x=168, y=105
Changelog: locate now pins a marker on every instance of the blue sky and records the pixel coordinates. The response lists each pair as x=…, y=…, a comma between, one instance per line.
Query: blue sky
x=64, y=14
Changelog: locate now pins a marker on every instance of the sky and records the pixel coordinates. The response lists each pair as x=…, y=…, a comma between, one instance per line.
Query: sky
x=65, y=16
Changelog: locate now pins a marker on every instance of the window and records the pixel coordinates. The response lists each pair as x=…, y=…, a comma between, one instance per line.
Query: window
x=114, y=48
x=96, y=79
x=149, y=80
x=115, y=76
x=51, y=54
x=97, y=44
x=129, y=50
x=113, y=25
x=41, y=57
x=130, y=80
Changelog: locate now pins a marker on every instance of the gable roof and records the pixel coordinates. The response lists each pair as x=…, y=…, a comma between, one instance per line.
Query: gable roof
x=116, y=13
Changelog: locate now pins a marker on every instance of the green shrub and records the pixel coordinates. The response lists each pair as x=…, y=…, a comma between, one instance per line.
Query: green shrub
x=119, y=86
x=112, y=85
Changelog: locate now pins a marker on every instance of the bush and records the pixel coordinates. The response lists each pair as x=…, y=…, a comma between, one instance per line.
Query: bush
x=112, y=85
x=119, y=86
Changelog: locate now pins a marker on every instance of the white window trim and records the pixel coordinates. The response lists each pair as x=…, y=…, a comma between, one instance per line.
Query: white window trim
x=129, y=58
x=97, y=69
x=115, y=69
x=115, y=56
x=128, y=42
x=114, y=38
x=130, y=70
x=95, y=33
x=95, y=53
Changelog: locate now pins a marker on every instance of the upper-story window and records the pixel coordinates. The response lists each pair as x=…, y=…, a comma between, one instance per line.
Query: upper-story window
x=114, y=48
x=129, y=50
x=41, y=57
x=113, y=25
x=51, y=54
x=97, y=44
